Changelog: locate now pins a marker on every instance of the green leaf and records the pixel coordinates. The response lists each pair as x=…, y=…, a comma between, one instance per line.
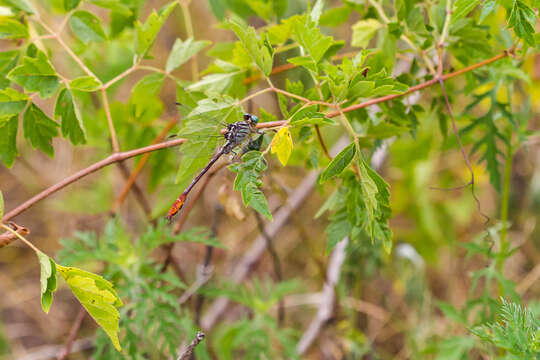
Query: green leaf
x=310, y=38
x=85, y=83
x=1, y=205
x=282, y=145
x=147, y=32
x=369, y=190
x=363, y=31
x=98, y=297
x=47, y=279
x=71, y=123
x=260, y=51
x=462, y=8
x=36, y=74
x=335, y=16
x=144, y=93
x=39, y=129
x=12, y=102
x=317, y=11
x=71, y=4
x=523, y=19
x=487, y=8
x=8, y=140
x=22, y=5
x=338, y=163
x=182, y=51
x=12, y=29
x=247, y=182
x=86, y=26
x=116, y=7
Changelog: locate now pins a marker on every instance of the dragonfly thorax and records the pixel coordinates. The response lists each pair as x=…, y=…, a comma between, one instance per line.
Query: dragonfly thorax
x=236, y=133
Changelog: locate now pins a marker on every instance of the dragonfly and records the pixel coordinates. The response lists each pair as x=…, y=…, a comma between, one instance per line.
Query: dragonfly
x=236, y=133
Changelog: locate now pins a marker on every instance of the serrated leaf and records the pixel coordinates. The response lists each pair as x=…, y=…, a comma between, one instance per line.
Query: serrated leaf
x=12, y=29
x=98, y=297
x=247, y=182
x=47, y=279
x=338, y=163
x=311, y=39
x=39, y=129
x=12, y=102
x=182, y=51
x=363, y=31
x=8, y=140
x=36, y=74
x=523, y=19
x=71, y=123
x=369, y=190
x=86, y=26
x=282, y=145
x=85, y=83
x=147, y=32
x=260, y=50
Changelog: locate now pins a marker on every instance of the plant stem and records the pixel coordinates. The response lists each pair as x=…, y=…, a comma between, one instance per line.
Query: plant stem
x=189, y=30
x=505, y=200
x=114, y=138
x=20, y=237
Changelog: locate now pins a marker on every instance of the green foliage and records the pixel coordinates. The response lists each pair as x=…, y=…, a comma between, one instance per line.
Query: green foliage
x=518, y=332
x=248, y=183
x=339, y=163
x=147, y=32
x=71, y=123
x=98, y=297
x=399, y=41
x=39, y=129
x=182, y=51
x=36, y=74
x=86, y=26
x=47, y=279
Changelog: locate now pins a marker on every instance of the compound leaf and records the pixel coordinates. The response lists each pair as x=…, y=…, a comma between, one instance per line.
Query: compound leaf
x=39, y=129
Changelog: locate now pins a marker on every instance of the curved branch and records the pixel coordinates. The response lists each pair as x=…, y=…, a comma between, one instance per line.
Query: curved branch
x=111, y=159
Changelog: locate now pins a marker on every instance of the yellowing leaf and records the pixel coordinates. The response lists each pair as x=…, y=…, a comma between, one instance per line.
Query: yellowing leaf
x=98, y=297
x=282, y=145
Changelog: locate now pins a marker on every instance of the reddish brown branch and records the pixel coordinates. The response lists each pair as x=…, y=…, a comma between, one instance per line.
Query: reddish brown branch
x=7, y=237
x=128, y=154
x=72, y=334
x=111, y=159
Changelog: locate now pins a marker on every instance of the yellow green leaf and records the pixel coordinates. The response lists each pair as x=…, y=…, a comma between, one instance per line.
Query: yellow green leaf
x=282, y=145
x=98, y=297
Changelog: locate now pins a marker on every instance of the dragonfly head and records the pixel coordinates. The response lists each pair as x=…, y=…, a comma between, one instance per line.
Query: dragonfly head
x=248, y=117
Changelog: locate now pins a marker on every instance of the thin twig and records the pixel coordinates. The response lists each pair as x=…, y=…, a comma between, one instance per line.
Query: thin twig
x=106, y=107
x=188, y=351
x=8, y=237
x=111, y=159
x=72, y=334
x=325, y=311
x=462, y=150
x=275, y=261
x=119, y=156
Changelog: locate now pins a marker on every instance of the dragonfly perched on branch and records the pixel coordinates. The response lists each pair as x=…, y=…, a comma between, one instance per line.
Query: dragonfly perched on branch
x=236, y=133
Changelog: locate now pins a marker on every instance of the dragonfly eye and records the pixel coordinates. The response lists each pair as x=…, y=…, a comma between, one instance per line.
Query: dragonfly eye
x=254, y=119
